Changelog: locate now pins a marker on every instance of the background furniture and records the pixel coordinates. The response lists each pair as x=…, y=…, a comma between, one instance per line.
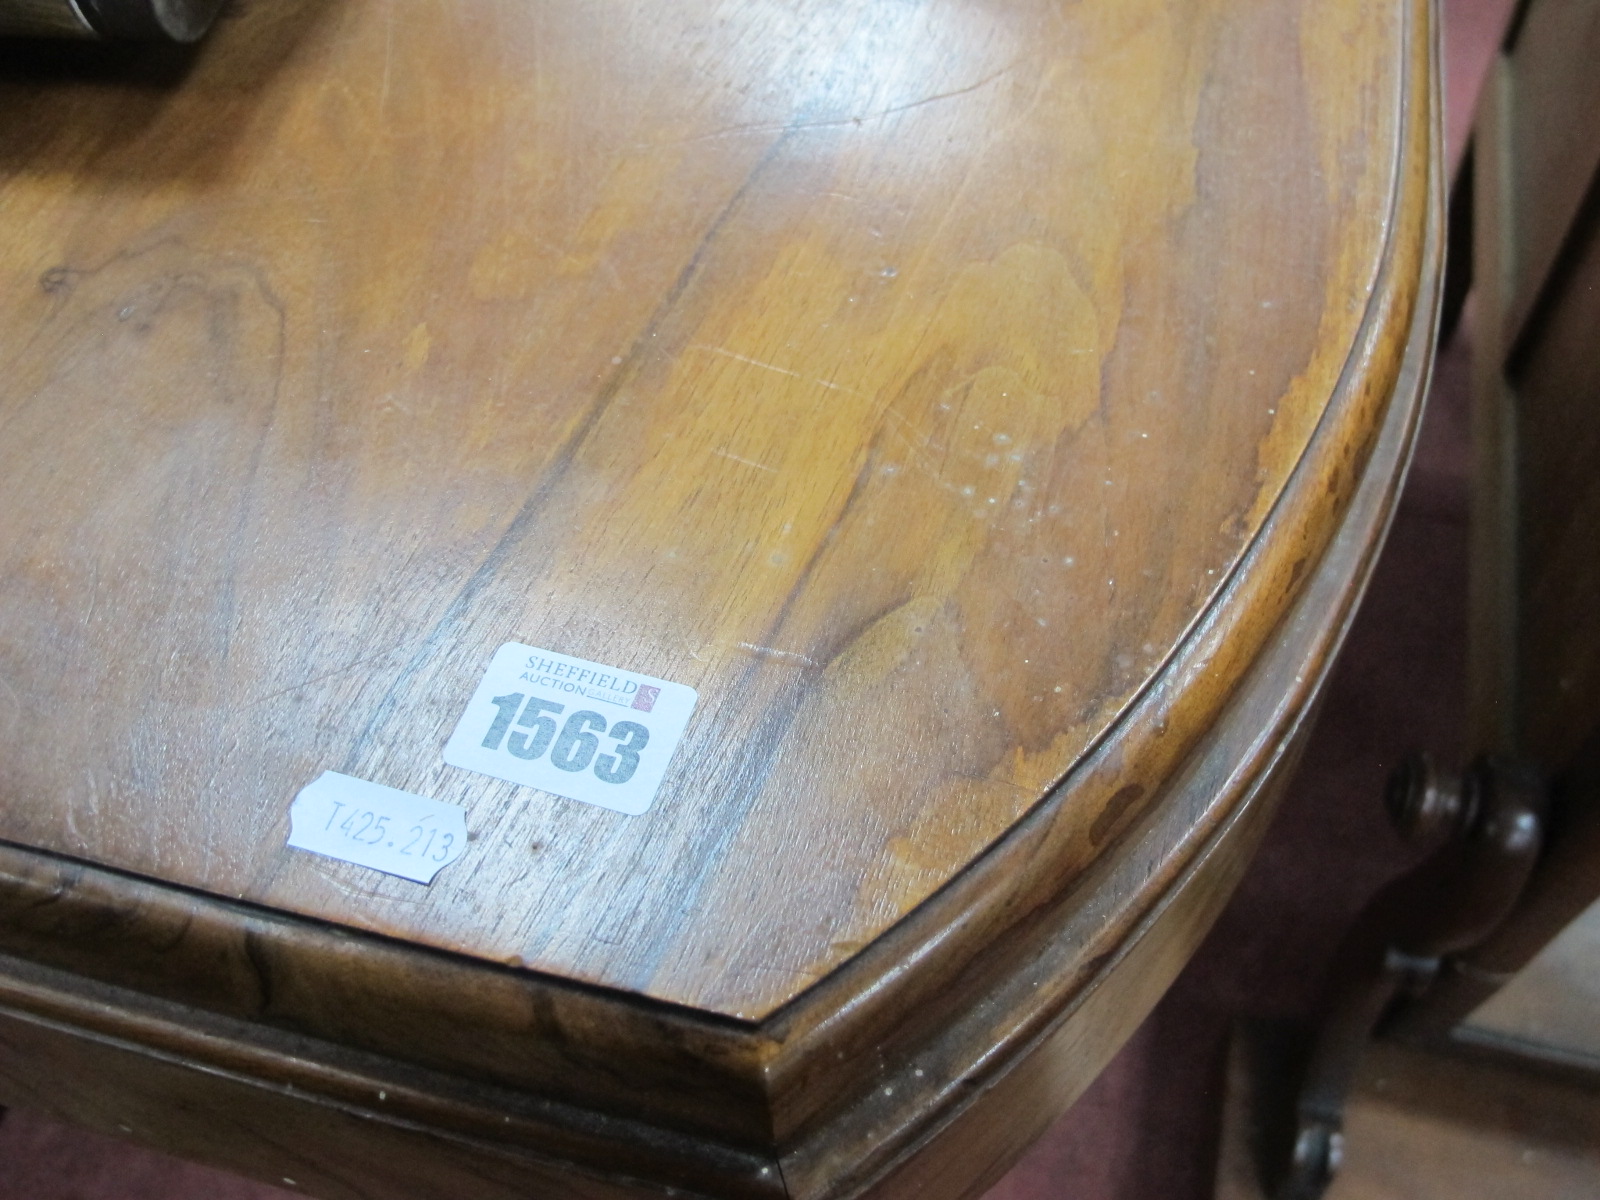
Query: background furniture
x=1520, y=859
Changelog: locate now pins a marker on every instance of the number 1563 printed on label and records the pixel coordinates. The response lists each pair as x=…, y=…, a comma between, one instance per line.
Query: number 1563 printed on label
x=576, y=728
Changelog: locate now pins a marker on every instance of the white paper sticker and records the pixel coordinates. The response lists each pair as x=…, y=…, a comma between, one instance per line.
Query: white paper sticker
x=376, y=826
x=573, y=727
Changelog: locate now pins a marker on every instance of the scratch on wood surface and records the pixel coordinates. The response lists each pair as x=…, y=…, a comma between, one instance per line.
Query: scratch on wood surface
x=766, y=366
x=69, y=811
x=832, y=122
x=837, y=387
x=10, y=706
x=388, y=64
x=754, y=362
x=368, y=893
x=933, y=99
x=789, y=656
x=749, y=462
x=903, y=429
x=305, y=683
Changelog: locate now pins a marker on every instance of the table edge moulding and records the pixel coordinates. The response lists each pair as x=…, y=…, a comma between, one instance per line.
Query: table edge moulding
x=921, y=1062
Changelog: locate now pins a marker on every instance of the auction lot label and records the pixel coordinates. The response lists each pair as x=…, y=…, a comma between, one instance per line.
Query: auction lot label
x=371, y=825
x=580, y=729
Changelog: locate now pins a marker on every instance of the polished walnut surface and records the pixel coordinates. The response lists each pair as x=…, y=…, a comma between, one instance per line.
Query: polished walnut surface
x=990, y=409
x=908, y=381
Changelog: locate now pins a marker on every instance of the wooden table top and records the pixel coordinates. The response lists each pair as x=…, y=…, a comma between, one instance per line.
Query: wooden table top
x=990, y=410
x=914, y=382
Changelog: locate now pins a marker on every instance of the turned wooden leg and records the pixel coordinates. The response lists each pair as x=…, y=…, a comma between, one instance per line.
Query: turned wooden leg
x=1491, y=825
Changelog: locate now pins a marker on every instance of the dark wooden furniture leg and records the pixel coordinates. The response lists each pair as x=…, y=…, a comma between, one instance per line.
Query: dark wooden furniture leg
x=1559, y=890
x=1458, y=250
x=1521, y=857
x=1491, y=825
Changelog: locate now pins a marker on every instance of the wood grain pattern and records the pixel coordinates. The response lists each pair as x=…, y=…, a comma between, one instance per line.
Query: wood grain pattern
x=647, y=348
x=936, y=1116
x=292, y=1141
x=1537, y=196
x=992, y=411
x=1558, y=446
x=1556, y=157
